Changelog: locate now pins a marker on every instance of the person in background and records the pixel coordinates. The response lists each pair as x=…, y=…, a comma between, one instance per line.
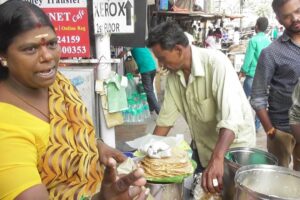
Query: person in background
x=277, y=73
x=210, y=41
x=236, y=36
x=275, y=32
x=225, y=35
x=187, y=31
x=190, y=37
x=218, y=37
x=147, y=68
x=254, y=48
x=47, y=139
x=203, y=87
x=218, y=33
x=280, y=32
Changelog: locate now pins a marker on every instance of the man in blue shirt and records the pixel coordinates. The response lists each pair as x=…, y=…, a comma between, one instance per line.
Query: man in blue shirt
x=276, y=75
x=147, y=68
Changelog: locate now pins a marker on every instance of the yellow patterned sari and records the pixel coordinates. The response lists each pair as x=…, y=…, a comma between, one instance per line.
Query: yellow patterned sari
x=70, y=167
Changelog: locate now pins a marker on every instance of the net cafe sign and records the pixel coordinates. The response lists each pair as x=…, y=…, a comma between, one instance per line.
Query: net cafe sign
x=113, y=16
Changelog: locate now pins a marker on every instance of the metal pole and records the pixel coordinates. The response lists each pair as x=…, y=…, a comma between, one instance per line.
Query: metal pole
x=104, y=69
x=207, y=6
x=241, y=11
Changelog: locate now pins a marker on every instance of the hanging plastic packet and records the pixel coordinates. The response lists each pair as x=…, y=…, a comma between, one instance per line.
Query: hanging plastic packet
x=140, y=88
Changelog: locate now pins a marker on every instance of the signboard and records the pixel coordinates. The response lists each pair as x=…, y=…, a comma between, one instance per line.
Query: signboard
x=70, y=19
x=113, y=16
x=136, y=39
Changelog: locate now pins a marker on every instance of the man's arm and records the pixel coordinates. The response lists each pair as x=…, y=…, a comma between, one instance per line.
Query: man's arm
x=248, y=57
x=234, y=119
x=124, y=52
x=214, y=169
x=264, y=119
x=161, y=131
x=259, y=96
x=168, y=113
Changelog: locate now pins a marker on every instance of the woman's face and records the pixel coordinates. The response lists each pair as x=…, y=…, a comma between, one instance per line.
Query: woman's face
x=32, y=58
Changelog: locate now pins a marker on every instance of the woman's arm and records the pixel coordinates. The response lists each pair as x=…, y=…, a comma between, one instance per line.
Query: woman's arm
x=37, y=192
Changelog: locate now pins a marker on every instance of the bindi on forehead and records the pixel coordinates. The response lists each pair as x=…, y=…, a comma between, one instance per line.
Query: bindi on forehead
x=42, y=38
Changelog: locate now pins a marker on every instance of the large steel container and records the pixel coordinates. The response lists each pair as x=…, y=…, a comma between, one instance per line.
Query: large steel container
x=266, y=182
x=166, y=191
x=238, y=157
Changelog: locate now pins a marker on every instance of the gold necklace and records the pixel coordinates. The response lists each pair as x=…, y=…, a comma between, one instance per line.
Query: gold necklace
x=29, y=104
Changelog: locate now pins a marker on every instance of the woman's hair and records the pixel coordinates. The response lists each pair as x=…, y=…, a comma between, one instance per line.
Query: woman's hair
x=16, y=17
x=277, y=4
x=167, y=34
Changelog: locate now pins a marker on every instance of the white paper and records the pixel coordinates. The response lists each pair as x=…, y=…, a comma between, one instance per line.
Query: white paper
x=127, y=166
x=124, y=81
x=140, y=142
x=157, y=149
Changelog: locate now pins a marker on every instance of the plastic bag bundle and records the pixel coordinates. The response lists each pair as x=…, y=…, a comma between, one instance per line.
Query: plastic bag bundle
x=138, y=108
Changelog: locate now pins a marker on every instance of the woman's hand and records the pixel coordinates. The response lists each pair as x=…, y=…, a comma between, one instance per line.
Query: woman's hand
x=122, y=188
x=106, y=152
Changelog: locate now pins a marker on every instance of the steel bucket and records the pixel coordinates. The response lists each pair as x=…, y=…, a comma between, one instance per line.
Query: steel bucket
x=166, y=191
x=262, y=182
x=238, y=157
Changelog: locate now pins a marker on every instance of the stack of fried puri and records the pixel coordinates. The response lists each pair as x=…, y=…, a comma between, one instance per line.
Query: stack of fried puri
x=177, y=165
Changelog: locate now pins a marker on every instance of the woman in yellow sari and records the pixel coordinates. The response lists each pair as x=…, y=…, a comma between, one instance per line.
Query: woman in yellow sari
x=48, y=148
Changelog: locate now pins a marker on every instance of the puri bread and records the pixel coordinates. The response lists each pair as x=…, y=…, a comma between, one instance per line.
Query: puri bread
x=178, y=164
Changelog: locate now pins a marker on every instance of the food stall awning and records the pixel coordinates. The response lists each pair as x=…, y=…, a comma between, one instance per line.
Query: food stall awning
x=196, y=14
x=187, y=14
x=232, y=17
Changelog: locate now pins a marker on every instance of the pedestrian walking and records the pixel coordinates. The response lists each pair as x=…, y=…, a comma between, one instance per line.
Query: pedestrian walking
x=255, y=45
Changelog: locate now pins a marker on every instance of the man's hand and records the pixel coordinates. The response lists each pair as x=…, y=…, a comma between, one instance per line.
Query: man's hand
x=212, y=177
x=106, y=152
x=122, y=188
x=161, y=130
x=241, y=75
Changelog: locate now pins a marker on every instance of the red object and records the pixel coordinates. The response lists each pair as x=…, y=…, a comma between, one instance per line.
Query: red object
x=71, y=26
